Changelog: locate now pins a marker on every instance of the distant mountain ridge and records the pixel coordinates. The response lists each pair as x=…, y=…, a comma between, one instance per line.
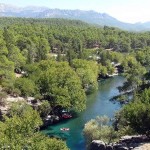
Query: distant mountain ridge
x=27, y=12
x=86, y=16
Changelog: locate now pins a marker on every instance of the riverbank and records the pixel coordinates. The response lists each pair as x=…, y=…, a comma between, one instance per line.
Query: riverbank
x=134, y=142
x=52, y=117
x=98, y=103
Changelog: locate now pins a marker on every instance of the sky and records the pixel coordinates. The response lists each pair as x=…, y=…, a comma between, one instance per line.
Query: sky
x=130, y=11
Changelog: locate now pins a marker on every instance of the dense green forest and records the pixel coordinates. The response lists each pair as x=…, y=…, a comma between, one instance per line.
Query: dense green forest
x=59, y=62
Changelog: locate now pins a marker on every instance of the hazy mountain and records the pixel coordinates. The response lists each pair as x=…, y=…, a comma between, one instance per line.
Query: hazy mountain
x=90, y=17
x=146, y=25
x=87, y=16
x=8, y=8
x=27, y=12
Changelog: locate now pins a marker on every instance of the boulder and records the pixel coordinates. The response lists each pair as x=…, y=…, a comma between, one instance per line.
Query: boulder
x=109, y=147
x=97, y=145
x=120, y=147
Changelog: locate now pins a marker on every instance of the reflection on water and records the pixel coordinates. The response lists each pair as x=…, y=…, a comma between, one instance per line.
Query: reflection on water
x=98, y=103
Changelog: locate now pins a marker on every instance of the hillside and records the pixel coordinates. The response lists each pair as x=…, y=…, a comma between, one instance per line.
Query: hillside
x=86, y=16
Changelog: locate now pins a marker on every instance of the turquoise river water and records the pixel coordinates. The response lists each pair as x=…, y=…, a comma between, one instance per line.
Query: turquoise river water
x=98, y=103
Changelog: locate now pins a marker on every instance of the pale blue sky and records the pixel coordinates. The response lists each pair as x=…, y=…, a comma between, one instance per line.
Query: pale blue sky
x=125, y=10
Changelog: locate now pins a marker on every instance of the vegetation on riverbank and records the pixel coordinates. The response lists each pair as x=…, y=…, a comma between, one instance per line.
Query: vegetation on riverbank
x=132, y=119
x=59, y=61
x=20, y=131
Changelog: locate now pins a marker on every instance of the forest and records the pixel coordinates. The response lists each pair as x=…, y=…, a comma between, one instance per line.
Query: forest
x=58, y=62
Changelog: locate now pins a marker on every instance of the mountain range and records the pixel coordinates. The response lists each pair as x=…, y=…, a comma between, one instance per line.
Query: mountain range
x=91, y=17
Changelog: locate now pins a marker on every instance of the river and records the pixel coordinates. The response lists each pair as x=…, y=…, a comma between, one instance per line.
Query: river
x=98, y=103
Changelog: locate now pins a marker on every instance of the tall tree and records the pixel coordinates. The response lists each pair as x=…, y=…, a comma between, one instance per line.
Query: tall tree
x=60, y=83
x=88, y=73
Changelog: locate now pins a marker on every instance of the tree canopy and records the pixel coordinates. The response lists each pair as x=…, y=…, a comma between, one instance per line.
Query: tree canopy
x=19, y=131
x=59, y=61
x=137, y=114
x=60, y=84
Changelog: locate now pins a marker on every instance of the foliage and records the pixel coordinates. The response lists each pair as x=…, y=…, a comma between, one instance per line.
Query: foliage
x=98, y=129
x=19, y=131
x=88, y=73
x=15, y=56
x=26, y=86
x=26, y=44
x=26, y=41
x=44, y=109
x=137, y=114
x=102, y=70
x=3, y=96
x=61, y=86
x=134, y=73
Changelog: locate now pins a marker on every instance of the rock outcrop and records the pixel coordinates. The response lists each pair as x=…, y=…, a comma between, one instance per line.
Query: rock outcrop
x=125, y=143
x=97, y=145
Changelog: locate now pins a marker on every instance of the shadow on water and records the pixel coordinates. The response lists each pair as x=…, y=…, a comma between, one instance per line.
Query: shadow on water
x=98, y=103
